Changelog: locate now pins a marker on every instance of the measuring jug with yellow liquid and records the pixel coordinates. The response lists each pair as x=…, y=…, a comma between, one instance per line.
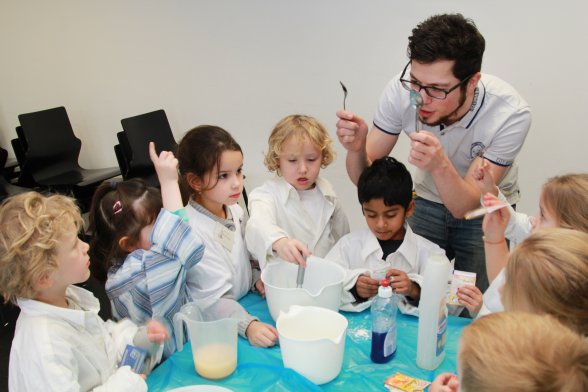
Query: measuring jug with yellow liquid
x=214, y=342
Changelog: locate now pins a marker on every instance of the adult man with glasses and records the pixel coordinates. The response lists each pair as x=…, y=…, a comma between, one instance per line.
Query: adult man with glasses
x=464, y=114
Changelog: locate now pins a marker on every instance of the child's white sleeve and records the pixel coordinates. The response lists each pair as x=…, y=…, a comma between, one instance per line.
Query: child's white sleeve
x=338, y=254
x=124, y=379
x=262, y=230
x=122, y=333
x=519, y=225
x=340, y=223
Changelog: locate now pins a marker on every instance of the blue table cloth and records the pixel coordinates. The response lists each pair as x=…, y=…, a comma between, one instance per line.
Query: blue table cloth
x=261, y=369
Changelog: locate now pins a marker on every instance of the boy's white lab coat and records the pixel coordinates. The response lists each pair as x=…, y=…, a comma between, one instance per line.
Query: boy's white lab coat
x=359, y=253
x=276, y=211
x=62, y=349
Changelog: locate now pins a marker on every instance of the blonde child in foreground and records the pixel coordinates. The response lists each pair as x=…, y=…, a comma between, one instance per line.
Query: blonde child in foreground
x=563, y=203
x=518, y=352
x=60, y=342
x=548, y=273
x=211, y=165
x=297, y=213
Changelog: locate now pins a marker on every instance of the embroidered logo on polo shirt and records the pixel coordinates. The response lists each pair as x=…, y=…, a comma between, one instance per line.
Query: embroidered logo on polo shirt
x=475, y=149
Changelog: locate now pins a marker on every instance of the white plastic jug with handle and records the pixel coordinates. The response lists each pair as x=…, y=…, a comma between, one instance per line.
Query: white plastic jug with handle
x=433, y=312
x=213, y=341
x=312, y=341
x=322, y=286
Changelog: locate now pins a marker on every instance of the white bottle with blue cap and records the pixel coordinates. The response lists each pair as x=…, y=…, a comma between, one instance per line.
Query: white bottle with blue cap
x=383, y=311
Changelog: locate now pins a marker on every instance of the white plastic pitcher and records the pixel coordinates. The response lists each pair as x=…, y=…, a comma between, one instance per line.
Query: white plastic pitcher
x=312, y=341
x=214, y=342
x=323, y=282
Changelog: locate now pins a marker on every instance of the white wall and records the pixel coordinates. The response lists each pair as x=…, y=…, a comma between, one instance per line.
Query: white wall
x=244, y=65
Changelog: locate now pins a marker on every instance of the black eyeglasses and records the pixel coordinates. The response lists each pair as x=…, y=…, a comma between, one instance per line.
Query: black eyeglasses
x=433, y=92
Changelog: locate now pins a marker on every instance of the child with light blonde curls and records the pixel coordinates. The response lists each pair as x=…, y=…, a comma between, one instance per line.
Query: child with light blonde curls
x=60, y=342
x=297, y=213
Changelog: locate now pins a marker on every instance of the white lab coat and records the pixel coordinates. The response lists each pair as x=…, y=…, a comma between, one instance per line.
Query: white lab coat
x=61, y=349
x=222, y=273
x=276, y=211
x=359, y=253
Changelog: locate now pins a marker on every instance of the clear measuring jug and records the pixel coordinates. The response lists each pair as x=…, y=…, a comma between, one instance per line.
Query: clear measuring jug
x=213, y=337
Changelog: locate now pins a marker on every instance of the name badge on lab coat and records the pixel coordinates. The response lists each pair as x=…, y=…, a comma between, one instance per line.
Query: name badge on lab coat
x=225, y=236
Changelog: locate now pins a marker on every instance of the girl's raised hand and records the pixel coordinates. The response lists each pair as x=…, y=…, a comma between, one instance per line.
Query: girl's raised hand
x=166, y=164
x=494, y=224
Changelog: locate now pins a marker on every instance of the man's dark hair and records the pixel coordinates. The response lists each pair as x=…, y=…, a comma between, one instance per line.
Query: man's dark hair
x=385, y=179
x=448, y=37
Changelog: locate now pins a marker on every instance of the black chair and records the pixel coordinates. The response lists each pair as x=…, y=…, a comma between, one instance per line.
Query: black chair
x=50, y=154
x=122, y=161
x=6, y=188
x=133, y=149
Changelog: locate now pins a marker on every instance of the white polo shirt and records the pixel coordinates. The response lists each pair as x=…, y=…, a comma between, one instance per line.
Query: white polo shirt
x=498, y=120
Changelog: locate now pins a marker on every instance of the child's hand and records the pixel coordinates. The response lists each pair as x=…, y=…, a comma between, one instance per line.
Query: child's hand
x=444, y=382
x=485, y=179
x=166, y=164
x=471, y=297
x=366, y=287
x=291, y=250
x=494, y=224
x=260, y=287
x=156, y=332
x=401, y=284
x=261, y=334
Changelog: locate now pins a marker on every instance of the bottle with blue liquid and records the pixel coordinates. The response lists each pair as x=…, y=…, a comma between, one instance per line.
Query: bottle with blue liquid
x=383, y=311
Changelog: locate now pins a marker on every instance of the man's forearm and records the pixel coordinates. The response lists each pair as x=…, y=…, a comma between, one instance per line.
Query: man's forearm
x=356, y=162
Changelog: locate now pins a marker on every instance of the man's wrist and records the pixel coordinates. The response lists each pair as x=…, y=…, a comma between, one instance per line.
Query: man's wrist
x=442, y=167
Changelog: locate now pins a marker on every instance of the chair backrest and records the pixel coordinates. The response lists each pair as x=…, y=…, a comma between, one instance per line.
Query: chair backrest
x=3, y=157
x=122, y=161
x=139, y=131
x=21, y=137
x=51, y=145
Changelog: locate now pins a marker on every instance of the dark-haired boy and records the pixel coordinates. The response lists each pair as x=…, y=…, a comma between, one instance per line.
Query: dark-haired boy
x=388, y=247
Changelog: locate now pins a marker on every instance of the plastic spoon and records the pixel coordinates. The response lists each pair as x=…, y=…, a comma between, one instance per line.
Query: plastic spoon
x=416, y=100
x=483, y=211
